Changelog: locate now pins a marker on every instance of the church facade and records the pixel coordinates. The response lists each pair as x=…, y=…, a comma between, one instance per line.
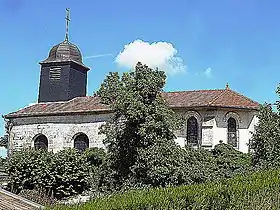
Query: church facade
x=65, y=117
x=76, y=122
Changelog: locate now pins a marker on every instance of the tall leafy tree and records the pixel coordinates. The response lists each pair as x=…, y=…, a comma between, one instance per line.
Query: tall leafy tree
x=266, y=139
x=139, y=136
x=4, y=141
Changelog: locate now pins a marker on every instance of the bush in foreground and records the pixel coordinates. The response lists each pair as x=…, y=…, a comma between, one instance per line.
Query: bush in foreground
x=256, y=191
x=61, y=174
x=229, y=162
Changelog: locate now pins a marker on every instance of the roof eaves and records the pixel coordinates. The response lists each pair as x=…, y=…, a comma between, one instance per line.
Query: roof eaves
x=65, y=61
x=216, y=106
x=41, y=114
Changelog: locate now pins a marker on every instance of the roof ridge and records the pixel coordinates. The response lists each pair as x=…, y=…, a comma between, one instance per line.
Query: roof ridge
x=50, y=102
x=216, y=97
x=243, y=96
x=232, y=91
x=182, y=91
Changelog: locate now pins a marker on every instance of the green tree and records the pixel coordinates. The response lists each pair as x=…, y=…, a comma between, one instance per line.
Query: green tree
x=266, y=139
x=139, y=135
x=4, y=141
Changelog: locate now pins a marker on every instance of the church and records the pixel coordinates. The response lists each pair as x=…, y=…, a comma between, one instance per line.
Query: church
x=65, y=117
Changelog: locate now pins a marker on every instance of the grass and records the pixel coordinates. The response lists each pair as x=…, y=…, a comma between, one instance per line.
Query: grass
x=258, y=191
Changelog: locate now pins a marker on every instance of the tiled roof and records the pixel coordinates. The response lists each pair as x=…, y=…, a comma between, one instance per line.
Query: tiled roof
x=10, y=201
x=183, y=99
x=209, y=98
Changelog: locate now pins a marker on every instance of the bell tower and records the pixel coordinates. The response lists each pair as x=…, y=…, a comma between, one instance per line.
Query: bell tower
x=63, y=74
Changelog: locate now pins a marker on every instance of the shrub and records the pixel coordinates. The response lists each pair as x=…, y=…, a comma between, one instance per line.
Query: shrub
x=229, y=161
x=3, y=163
x=68, y=174
x=95, y=156
x=167, y=165
x=200, y=164
x=61, y=174
x=25, y=168
x=96, y=159
x=161, y=164
x=256, y=191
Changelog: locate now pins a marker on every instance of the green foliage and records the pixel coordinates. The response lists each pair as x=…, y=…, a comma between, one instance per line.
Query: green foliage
x=230, y=162
x=199, y=165
x=4, y=141
x=162, y=164
x=95, y=156
x=266, y=140
x=256, y=191
x=60, y=174
x=96, y=159
x=3, y=174
x=139, y=136
x=222, y=162
x=3, y=162
x=24, y=168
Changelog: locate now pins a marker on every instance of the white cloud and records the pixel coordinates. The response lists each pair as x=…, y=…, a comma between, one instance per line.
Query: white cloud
x=158, y=54
x=208, y=72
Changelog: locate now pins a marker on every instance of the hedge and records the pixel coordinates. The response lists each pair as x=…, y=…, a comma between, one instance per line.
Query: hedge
x=259, y=190
x=61, y=174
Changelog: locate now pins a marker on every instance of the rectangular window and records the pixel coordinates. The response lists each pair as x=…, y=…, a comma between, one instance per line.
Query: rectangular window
x=55, y=73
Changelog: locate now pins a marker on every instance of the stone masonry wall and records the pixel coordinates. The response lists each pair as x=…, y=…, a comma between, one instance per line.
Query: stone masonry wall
x=60, y=130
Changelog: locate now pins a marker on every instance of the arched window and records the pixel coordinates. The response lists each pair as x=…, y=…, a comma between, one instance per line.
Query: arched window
x=81, y=142
x=41, y=142
x=232, y=132
x=192, y=131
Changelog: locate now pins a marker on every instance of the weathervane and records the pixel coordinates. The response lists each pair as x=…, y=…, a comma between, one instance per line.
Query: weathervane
x=67, y=18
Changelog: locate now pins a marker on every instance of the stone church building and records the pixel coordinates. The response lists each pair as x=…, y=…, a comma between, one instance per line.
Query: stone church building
x=65, y=117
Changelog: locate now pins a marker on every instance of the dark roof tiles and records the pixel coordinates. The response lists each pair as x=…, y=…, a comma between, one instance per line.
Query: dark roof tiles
x=64, y=51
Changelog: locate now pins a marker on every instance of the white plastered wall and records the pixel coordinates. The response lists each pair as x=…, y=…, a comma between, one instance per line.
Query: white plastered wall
x=214, y=127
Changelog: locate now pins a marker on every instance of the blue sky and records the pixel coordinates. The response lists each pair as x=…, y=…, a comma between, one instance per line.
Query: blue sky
x=210, y=42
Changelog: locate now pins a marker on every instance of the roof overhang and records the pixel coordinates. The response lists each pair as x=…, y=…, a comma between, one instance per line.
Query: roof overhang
x=63, y=62
x=108, y=111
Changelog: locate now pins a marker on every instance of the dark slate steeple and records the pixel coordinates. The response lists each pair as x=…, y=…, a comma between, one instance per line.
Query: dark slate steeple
x=63, y=74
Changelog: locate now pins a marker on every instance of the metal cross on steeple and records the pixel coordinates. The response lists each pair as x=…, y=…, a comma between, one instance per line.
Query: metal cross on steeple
x=67, y=18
